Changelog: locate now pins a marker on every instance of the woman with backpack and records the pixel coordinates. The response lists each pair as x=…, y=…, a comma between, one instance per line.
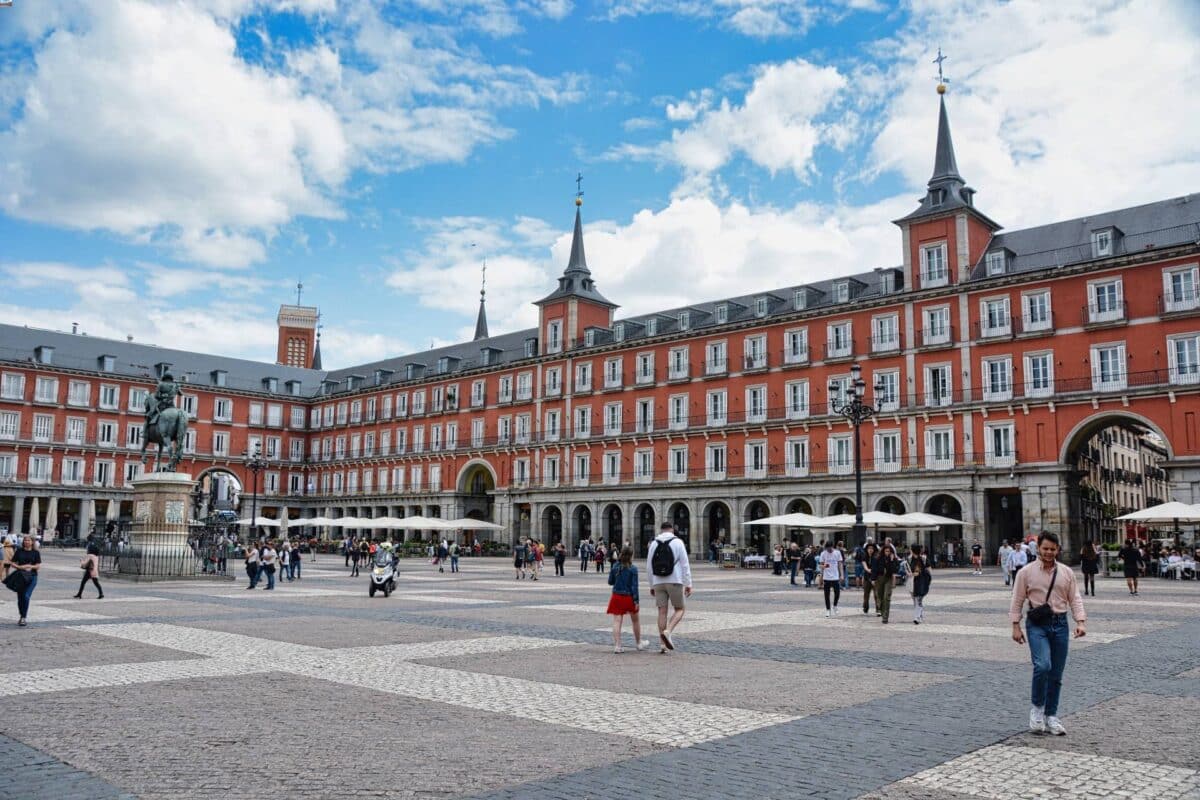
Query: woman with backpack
x=623, y=577
x=599, y=557
x=91, y=571
x=921, y=578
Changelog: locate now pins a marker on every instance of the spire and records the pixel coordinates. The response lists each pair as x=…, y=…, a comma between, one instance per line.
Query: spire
x=945, y=167
x=316, y=362
x=578, y=260
x=576, y=280
x=481, y=330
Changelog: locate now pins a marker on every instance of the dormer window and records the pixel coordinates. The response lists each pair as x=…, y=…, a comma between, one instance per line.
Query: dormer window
x=799, y=299
x=218, y=377
x=619, y=332
x=1102, y=243
x=651, y=326
x=760, y=307
x=685, y=320
x=293, y=388
x=107, y=363
x=44, y=354
x=937, y=196
x=271, y=385
x=443, y=364
x=841, y=292
x=410, y=372
x=887, y=282
x=996, y=262
x=722, y=314
x=530, y=348
x=161, y=368
x=589, y=337
x=485, y=356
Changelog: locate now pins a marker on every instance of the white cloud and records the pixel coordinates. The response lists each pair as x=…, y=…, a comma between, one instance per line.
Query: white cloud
x=758, y=18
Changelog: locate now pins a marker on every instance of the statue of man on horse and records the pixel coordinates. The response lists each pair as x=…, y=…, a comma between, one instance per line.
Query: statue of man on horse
x=166, y=424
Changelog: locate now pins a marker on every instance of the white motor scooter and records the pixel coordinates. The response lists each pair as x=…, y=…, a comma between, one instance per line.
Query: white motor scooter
x=383, y=574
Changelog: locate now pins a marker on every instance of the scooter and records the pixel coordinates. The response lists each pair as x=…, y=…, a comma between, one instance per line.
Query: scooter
x=383, y=578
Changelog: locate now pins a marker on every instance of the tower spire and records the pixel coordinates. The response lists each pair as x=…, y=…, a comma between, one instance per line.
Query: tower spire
x=481, y=329
x=316, y=362
x=578, y=260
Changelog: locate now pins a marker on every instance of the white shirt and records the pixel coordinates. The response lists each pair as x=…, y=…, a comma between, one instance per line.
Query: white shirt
x=830, y=561
x=683, y=568
x=268, y=556
x=1016, y=560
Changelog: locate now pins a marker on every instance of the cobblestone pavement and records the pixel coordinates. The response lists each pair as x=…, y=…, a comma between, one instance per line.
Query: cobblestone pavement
x=477, y=685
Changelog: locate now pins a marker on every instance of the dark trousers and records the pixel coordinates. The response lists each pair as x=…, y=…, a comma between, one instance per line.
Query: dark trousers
x=87, y=576
x=26, y=594
x=296, y=560
x=795, y=566
x=834, y=585
x=868, y=593
x=252, y=573
x=583, y=563
x=559, y=564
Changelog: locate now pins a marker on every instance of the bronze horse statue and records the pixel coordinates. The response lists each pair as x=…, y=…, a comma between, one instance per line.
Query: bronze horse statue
x=166, y=426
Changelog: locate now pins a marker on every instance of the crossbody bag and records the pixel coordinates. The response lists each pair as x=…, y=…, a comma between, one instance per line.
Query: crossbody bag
x=1041, y=615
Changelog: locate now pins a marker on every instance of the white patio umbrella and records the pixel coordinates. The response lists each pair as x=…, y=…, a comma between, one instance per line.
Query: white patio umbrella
x=386, y=522
x=468, y=524
x=796, y=520
x=112, y=512
x=922, y=519
x=1173, y=511
x=875, y=519
x=259, y=522
x=51, y=518
x=427, y=523
x=35, y=515
x=90, y=510
x=321, y=521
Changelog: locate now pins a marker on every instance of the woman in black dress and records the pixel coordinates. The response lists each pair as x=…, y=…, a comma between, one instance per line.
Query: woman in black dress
x=28, y=560
x=1090, y=557
x=1131, y=556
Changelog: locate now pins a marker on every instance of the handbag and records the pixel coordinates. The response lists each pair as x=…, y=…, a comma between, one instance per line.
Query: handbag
x=1041, y=615
x=17, y=580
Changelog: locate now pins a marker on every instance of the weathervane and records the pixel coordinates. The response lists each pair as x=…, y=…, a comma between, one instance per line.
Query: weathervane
x=483, y=279
x=941, y=77
x=579, y=189
x=299, y=290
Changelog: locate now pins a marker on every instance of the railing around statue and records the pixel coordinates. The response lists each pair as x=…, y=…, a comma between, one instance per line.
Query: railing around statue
x=134, y=553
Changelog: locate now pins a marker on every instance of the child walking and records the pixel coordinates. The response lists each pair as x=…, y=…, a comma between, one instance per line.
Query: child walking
x=624, y=579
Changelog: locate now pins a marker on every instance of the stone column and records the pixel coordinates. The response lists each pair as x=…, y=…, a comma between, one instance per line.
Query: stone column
x=159, y=547
x=18, y=515
x=85, y=517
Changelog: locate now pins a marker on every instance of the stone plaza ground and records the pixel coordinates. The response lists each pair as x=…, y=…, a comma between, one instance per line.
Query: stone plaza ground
x=478, y=685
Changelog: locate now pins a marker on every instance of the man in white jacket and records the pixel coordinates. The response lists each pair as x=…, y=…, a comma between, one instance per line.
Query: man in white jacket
x=670, y=580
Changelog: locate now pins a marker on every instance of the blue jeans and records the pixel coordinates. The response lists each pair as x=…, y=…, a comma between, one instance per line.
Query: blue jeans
x=454, y=563
x=810, y=575
x=1048, y=650
x=23, y=597
x=295, y=565
x=795, y=566
x=270, y=577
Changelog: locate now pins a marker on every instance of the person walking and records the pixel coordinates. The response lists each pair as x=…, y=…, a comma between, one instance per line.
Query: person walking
x=27, y=560
x=809, y=562
x=922, y=576
x=793, y=559
x=1016, y=560
x=91, y=571
x=560, y=559
x=354, y=558
x=585, y=554
x=1131, y=557
x=976, y=558
x=1089, y=559
x=860, y=564
x=267, y=560
x=285, y=561
x=1002, y=560
x=539, y=558
x=297, y=561
x=519, y=550
x=833, y=569
x=252, y=565
x=454, y=551
x=670, y=581
x=623, y=577
x=1051, y=591
x=867, y=577
x=10, y=547
x=883, y=575
x=777, y=559
x=443, y=553
x=598, y=556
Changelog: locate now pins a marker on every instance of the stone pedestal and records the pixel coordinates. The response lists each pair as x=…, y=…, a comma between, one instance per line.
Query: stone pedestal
x=159, y=535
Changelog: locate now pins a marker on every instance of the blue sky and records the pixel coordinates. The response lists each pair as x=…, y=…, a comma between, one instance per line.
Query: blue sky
x=168, y=169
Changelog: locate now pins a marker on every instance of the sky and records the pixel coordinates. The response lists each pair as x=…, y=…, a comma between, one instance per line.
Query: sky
x=170, y=169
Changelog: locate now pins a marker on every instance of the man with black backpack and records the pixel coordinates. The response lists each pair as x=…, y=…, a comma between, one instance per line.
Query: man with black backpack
x=670, y=580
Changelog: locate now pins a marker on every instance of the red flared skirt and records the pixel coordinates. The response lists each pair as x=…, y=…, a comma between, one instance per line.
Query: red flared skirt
x=620, y=604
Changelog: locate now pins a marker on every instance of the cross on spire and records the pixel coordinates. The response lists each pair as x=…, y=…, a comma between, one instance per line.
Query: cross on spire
x=299, y=290
x=941, y=77
x=579, y=189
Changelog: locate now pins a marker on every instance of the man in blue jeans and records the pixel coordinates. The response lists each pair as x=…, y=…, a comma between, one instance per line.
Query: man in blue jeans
x=1046, y=582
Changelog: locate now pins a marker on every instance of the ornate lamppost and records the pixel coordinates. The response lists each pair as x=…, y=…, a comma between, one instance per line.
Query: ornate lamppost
x=854, y=407
x=256, y=464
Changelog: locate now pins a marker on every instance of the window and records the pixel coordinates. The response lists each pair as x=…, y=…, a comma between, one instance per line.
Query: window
x=43, y=427
x=795, y=346
x=938, y=385
x=189, y=403
x=645, y=416
x=12, y=386
x=677, y=412
x=756, y=404
x=79, y=393
x=756, y=459
x=45, y=390
x=1037, y=311
x=761, y=306
x=297, y=418
x=106, y=433
x=796, y=393
x=717, y=408
x=8, y=467
x=839, y=344
x=524, y=386
x=385, y=410
x=580, y=476
x=133, y=471
x=76, y=430
x=612, y=468
x=1108, y=367
x=137, y=399
x=523, y=428
x=755, y=349
x=796, y=457
x=554, y=382
x=414, y=477
x=554, y=336
x=939, y=448
x=343, y=413
x=220, y=443
x=887, y=451
x=478, y=426
x=583, y=422
x=937, y=326
x=652, y=326
x=478, y=393
x=503, y=430
x=997, y=376
x=583, y=377
x=1102, y=243
x=841, y=292
x=553, y=427
x=677, y=461
x=685, y=320
x=110, y=396
x=133, y=436
x=643, y=466
x=40, y=469
x=722, y=314
x=550, y=471
x=385, y=442
x=296, y=451
x=1107, y=304
x=1180, y=289
x=589, y=337
x=886, y=333
x=645, y=368
x=887, y=390
x=1000, y=450
x=839, y=387
x=612, y=373
x=418, y=402
x=506, y=389
x=355, y=445
x=222, y=410
x=714, y=462
x=841, y=455
x=530, y=348
x=612, y=419
x=934, y=268
x=356, y=411
x=678, y=366
x=1039, y=375
x=72, y=471
x=10, y=423
x=256, y=414
x=996, y=262
x=402, y=403
x=799, y=300
x=716, y=358
x=995, y=319
x=1184, y=356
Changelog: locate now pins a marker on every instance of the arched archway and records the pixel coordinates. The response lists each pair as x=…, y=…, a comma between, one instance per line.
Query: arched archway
x=550, y=532
x=842, y=505
x=716, y=517
x=476, y=486
x=221, y=490
x=945, y=543
x=680, y=516
x=581, y=526
x=799, y=535
x=643, y=517
x=758, y=537
x=614, y=524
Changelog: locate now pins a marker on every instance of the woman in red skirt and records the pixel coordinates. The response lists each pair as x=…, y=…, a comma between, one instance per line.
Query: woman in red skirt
x=624, y=579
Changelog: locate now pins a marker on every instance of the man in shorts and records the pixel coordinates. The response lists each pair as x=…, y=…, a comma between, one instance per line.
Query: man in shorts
x=976, y=558
x=670, y=580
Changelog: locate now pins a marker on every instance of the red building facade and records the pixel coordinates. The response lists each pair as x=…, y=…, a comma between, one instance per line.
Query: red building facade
x=991, y=355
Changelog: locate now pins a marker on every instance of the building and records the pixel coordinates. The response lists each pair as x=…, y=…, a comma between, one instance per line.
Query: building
x=1120, y=471
x=995, y=356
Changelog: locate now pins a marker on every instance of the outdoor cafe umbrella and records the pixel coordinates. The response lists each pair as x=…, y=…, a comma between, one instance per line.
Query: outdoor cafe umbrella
x=52, y=518
x=427, y=523
x=259, y=522
x=1173, y=512
x=921, y=519
x=796, y=520
x=35, y=513
x=468, y=524
x=112, y=512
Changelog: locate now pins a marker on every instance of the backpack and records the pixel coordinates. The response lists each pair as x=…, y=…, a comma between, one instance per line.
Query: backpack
x=662, y=563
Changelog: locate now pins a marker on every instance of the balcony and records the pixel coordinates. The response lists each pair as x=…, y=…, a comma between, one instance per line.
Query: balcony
x=999, y=328
x=644, y=426
x=643, y=378
x=887, y=465
x=717, y=420
x=1179, y=302
x=938, y=336
x=1006, y=458
x=836, y=351
x=716, y=366
x=795, y=355
x=1115, y=313
x=1186, y=374
x=679, y=372
x=714, y=474
x=931, y=279
x=885, y=343
x=754, y=361
x=756, y=473
x=941, y=462
x=997, y=394
x=1028, y=326
x=612, y=382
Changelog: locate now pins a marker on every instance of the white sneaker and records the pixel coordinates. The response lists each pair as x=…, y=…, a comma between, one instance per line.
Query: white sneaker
x=828, y=613
x=835, y=611
x=642, y=645
x=1037, y=720
x=1055, y=727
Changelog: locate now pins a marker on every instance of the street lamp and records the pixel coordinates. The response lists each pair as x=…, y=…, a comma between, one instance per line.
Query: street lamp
x=197, y=500
x=854, y=408
x=255, y=463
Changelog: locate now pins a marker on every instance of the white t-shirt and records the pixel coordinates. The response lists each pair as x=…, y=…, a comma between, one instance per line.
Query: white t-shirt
x=830, y=561
x=268, y=556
